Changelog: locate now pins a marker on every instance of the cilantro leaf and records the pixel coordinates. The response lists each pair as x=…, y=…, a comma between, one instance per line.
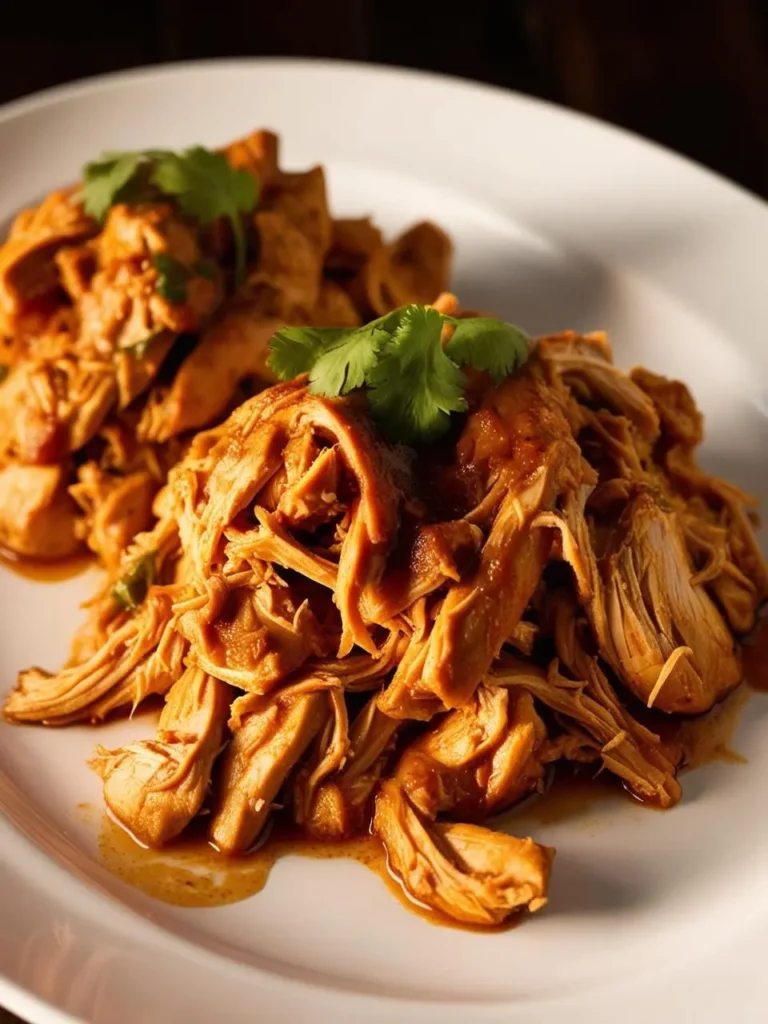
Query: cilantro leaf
x=294, y=350
x=336, y=360
x=206, y=187
x=345, y=363
x=131, y=589
x=415, y=385
x=105, y=179
x=172, y=279
x=488, y=344
x=201, y=182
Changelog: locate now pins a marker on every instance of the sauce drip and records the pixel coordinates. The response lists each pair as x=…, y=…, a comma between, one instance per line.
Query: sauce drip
x=571, y=797
x=709, y=737
x=191, y=873
x=46, y=572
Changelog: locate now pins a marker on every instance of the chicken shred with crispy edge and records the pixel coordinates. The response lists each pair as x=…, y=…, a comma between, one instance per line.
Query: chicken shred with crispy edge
x=365, y=636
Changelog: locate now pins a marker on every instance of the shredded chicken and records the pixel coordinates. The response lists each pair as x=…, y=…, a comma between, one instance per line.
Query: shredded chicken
x=350, y=635
x=97, y=330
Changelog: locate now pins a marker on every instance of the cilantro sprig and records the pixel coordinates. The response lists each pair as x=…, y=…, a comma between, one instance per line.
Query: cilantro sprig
x=202, y=184
x=413, y=381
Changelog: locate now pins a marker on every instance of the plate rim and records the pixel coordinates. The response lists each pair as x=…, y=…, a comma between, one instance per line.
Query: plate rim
x=75, y=87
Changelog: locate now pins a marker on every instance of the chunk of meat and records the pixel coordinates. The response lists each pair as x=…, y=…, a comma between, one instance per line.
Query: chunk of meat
x=420, y=261
x=115, y=508
x=715, y=514
x=473, y=761
x=340, y=805
x=477, y=759
x=360, y=672
x=285, y=282
x=334, y=307
x=154, y=674
x=156, y=787
x=49, y=408
x=124, y=311
x=28, y=268
x=233, y=349
x=434, y=555
x=373, y=514
x=77, y=265
x=240, y=465
x=271, y=543
x=660, y=631
x=353, y=242
x=270, y=734
x=38, y=519
x=256, y=153
x=311, y=492
x=466, y=872
x=133, y=372
x=301, y=199
x=416, y=267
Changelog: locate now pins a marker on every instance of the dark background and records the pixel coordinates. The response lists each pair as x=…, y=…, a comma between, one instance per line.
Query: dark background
x=692, y=74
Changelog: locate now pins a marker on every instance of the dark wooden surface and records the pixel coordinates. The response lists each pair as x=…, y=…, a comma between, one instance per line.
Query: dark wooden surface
x=692, y=74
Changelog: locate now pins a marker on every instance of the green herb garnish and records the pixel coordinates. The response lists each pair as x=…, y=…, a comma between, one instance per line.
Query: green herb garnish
x=172, y=278
x=130, y=590
x=413, y=382
x=488, y=344
x=112, y=179
x=201, y=182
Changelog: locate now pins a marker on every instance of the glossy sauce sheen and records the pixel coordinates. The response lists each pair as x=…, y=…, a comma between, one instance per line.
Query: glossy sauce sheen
x=46, y=572
x=191, y=873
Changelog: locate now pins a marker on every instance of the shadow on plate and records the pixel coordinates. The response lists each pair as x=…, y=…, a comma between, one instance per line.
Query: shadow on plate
x=582, y=889
x=541, y=289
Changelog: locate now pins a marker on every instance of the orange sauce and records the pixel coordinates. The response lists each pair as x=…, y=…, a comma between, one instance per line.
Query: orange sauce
x=192, y=873
x=572, y=796
x=709, y=737
x=46, y=572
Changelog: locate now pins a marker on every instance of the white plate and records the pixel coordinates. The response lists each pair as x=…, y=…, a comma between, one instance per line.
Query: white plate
x=559, y=222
